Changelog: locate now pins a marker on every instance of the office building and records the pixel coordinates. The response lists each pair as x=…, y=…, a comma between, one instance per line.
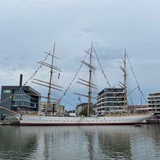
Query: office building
x=110, y=100
x=20, y=99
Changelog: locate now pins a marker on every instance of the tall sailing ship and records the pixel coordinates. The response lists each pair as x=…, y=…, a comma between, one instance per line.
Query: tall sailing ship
x=109, y=119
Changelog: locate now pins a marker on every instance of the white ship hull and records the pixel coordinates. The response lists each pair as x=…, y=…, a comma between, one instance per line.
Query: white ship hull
x=108, y=120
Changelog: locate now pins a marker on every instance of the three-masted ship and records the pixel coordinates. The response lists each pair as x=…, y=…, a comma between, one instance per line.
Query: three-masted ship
x=109, y=119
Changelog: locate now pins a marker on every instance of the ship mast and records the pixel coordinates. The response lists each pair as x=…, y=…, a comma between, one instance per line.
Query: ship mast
x=50, y=81
x=88, y=83
x=50, y=85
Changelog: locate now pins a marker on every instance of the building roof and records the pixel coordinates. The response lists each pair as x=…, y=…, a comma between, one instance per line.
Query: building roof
x=26, y=88
x=154, y=94
x=114, y=89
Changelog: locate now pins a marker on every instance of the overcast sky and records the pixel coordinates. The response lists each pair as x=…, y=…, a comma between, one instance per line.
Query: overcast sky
x=30, y=27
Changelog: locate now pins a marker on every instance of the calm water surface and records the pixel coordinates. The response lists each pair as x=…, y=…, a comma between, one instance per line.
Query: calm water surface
x=80, y=143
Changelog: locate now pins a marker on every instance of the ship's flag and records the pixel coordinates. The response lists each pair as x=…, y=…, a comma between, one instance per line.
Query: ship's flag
x=58, y=75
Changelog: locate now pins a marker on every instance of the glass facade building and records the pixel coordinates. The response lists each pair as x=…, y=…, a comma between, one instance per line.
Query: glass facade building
x=20, y=99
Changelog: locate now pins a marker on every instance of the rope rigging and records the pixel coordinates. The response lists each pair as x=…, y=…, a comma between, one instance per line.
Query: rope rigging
x=72, y=80
x=138, y=86
x=75, y=76
x=102, y=69
x=33, y=75
x=105, y=76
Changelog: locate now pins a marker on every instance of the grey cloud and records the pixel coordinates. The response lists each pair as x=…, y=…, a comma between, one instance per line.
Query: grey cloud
x=30, y=27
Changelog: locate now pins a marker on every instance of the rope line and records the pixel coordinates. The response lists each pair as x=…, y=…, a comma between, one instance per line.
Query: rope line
x=40, y=66
x=106, y=76
x=67, y=89
x=102, y=69
x=138, y=86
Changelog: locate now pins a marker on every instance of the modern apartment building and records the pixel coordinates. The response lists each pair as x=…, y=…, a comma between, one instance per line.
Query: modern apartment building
x=110, y=100
x=154, y=101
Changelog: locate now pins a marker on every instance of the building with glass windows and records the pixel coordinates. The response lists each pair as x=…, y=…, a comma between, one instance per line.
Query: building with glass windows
x=54, y=108
x=20, y=99
x=110, y=100
x=154, y=101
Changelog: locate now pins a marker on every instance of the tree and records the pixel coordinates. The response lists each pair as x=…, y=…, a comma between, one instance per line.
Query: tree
x=84, y=112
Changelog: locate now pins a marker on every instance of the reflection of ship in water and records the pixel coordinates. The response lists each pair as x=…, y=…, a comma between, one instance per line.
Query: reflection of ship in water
x=115, y=143
x=119, y=142
x=83, y=142
x=155, y=135
x=99, y=142
x=90, y=145
x=109, y=142
x=128, y=142
x=18, y=142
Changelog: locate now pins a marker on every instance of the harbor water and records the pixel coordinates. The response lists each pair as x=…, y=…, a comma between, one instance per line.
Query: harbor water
x=80, y=142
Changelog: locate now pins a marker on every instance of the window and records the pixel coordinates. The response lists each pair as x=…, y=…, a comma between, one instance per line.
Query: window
x=7, y=91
